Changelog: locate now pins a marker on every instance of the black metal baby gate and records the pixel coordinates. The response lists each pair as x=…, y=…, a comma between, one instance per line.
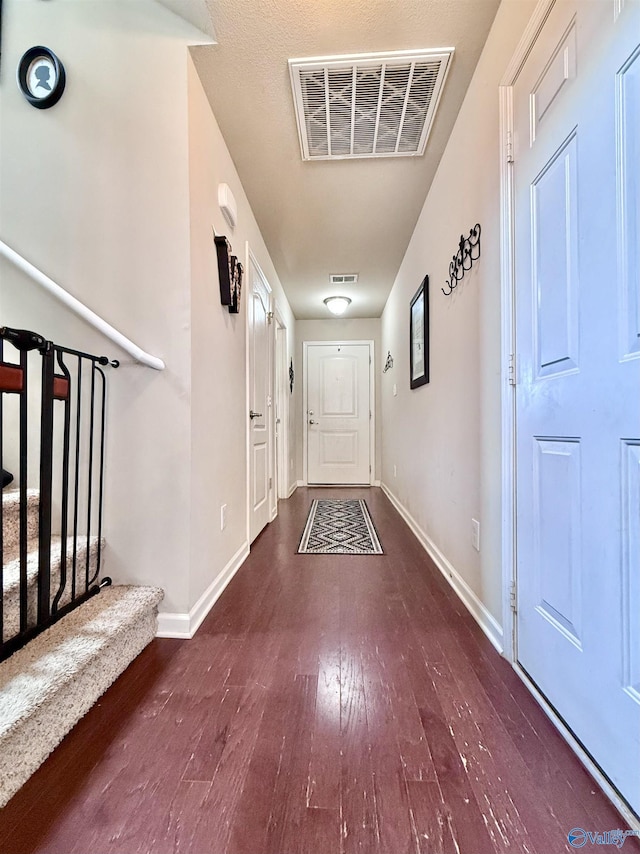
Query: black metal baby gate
x=52, y=420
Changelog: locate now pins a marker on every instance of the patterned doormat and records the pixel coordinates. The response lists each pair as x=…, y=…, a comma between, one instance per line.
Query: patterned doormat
x=339, y=527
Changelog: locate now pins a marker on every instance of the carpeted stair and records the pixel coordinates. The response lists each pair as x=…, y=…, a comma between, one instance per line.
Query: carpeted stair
x=47, y=686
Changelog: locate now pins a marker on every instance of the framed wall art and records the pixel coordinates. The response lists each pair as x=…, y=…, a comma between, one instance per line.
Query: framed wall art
x=230, y=273
x=419, y=336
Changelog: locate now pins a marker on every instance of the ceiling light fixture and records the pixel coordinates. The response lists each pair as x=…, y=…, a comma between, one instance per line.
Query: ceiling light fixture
x=337, y=305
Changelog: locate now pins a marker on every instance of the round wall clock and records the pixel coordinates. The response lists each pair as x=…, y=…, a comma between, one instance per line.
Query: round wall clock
x=41, y=77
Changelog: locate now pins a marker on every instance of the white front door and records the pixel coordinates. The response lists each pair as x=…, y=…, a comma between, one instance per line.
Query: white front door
x=577, y=218
x=259, y=400
x=338, y=416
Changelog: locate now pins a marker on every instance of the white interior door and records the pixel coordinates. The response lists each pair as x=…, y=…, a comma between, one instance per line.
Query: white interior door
x=260, y=399
x=281, y=395
x=338, y=415
x=577, y=187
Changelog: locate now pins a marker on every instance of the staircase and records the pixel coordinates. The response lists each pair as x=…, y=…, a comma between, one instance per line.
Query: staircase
x=49, y=684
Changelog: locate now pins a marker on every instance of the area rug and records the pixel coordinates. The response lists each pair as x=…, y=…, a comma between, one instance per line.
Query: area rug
x=339, y=527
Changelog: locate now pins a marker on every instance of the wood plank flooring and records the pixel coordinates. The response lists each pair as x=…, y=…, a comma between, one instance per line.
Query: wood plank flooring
x=328, y=705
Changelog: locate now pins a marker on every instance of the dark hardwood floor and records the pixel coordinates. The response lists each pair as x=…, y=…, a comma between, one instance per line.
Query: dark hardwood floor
x=327, y=705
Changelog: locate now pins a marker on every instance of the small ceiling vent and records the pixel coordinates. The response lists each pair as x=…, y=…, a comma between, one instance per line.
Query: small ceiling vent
x=370, y=105
x=343, y=278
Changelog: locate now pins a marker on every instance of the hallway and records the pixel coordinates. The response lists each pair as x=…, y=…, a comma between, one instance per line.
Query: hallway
x=327, y=704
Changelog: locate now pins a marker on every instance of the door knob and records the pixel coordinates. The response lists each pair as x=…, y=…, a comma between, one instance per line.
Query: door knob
x=310, y=412
x=253, y=414
x=311, y=421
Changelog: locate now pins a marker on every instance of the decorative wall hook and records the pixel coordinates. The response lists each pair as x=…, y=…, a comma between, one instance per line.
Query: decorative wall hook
x=468, y=252
x=389, y=363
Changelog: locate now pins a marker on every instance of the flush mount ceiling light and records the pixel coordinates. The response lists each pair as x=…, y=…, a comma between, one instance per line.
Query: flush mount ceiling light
x=337, y=305
x=369, y=104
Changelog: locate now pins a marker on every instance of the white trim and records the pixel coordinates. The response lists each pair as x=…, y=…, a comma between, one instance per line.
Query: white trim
x=186, y=625
x=293, y=488
x=300, y=483
x=372, y=402
x=470, y=600
x=526, y=43
x=251, y=259
x=507, y=337
x=508, y=358
x=81, y=310
x=282, y=398
x=609, y=790
x=247, y=259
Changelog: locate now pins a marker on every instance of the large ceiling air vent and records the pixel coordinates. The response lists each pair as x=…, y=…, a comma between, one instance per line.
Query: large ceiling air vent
x=371, y=105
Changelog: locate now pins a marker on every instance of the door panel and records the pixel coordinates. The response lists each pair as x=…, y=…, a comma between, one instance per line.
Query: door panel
x=628, y=132
x=555, y=262
x=560, y=69
x=338, y=417
x=338, y=448
x=338, y=386
x=631, y=561
x=576, y=178
x=557, y=534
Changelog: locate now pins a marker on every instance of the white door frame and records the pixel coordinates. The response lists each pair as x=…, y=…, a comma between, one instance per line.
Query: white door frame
x=250, y=257
x=372, y=401
x=509, y=376
x=281, y=392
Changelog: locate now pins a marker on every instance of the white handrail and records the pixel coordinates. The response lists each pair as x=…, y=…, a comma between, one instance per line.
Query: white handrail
x=81, y=310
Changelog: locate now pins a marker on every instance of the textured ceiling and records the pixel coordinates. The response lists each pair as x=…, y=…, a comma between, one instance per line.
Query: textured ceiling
x=347, y=216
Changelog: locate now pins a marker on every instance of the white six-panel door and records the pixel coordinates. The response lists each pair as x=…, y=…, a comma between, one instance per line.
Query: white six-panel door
x=338, y=413
x=577, y=218
x=260, y=399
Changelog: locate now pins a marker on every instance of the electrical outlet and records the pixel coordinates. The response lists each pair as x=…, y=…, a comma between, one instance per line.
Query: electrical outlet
x=223, y=517
x=475, y=534
x=395, y=470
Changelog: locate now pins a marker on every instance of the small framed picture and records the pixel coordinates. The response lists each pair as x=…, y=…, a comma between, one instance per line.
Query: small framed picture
x=41, y=77
x=419, y=336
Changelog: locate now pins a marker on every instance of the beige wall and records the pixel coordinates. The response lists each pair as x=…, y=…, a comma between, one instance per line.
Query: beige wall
x=112, y=192
x=444, y=438
x=219, y=410
x=338, y=329
x=94, y=192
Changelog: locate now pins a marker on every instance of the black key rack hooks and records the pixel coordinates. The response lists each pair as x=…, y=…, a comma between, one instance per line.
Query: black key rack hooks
x=468, y=252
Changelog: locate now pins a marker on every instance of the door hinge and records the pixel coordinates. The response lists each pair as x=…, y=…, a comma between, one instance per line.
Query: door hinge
x=269, y=317
x=509, y=147
x=512, y=369
x=270, y=482
x=369, y=415
x=513, y=597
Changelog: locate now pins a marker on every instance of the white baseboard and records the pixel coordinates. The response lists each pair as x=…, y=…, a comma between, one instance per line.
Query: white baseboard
x=186, y=625
x=293, y=488
x=476, y=608
x=301, y=483
x=376, y=483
